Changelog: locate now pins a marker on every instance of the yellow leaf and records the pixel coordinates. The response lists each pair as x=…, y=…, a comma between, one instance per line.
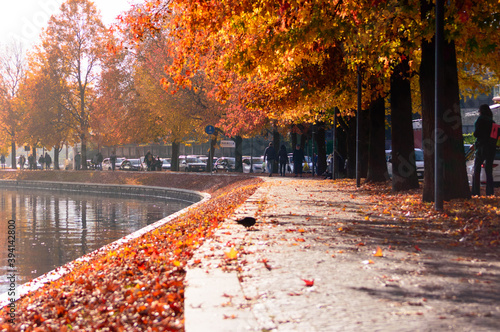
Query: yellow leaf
x=232, y=254
x=378, y=253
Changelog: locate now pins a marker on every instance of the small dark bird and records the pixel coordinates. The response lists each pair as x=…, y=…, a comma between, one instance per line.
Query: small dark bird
x=247, y=221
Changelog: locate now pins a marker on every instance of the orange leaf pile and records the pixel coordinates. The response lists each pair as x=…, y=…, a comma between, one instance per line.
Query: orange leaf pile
x=137, y=287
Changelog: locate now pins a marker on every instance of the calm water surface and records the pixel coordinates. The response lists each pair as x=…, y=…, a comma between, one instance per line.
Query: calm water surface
x=53, y=228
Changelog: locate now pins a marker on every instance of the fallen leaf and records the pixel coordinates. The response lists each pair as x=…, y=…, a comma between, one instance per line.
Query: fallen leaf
x=309, y=283
x=231, y=254
x=378, y=253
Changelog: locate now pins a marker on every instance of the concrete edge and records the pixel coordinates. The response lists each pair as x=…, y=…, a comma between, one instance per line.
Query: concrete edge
x=59, y=272
x=115, y=189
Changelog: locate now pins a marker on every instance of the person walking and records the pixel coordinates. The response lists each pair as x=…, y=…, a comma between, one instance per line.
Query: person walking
x=269, y=157
x=99, y=158
x=283, y=159
x=112, y=159
x=148, y=158
x=22, y=160
x=78, y=161
x=298, y=158
x=485, y=150
x=2, y=161
x=41, y=161
x=48, y=160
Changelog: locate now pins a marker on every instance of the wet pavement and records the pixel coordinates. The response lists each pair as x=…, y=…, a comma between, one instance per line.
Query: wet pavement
x=303, y=268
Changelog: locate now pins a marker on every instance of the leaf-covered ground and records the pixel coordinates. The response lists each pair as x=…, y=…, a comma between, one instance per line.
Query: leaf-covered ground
x=473, y=223
x=138, y=287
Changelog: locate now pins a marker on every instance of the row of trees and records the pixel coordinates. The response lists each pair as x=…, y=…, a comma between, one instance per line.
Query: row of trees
x=169, y=68
x=77, y=86
x=292, y=62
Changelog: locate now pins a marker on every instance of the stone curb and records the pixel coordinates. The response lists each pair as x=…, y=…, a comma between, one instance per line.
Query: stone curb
x=115, y=189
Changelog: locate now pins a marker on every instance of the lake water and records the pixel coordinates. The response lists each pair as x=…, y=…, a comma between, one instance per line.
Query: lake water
x=53, y=228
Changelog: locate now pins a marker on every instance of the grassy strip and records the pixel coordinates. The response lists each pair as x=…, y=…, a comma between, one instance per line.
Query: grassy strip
x=138, y=287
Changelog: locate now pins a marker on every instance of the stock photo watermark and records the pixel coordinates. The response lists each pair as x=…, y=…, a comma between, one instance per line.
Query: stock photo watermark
x=11, y=269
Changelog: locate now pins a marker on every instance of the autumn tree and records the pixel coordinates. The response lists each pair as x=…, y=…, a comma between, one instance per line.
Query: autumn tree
x=46, y=121
x=12, y=72
x=112, y=115
x=167, y=111
x=76, y=37
x=284, y=49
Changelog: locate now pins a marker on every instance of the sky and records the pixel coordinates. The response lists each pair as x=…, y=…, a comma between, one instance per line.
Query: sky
x=23, y=20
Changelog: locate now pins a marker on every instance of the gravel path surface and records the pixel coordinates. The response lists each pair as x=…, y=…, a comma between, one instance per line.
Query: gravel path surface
x=309, y=265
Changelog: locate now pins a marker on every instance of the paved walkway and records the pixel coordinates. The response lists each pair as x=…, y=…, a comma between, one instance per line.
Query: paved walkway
x=309, y=265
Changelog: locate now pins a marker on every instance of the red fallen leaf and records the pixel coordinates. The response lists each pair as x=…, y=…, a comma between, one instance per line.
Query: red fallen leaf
x=309, y=283
x=417, y=248
x=300, y=239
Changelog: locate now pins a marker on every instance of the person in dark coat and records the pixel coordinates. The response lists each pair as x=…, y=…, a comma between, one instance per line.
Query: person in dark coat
x=148, y=158
x=298, y=159
x=485, y=150
x=48, y=160
x=270, y=157
x=78, y=161
x=41, y=161
x=2, y=161
x=283, y=159
x=99, y=158
x=112, y=159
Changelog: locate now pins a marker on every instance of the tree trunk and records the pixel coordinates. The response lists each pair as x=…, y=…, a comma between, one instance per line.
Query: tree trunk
x=13, y=155
x=351, y=149
x=238, y=154
x=276, y=143
x=377, y=166
x=364, y=143
x=294, y=137
x=404, y=171
x=321, y=144
x=83, y=151
x=35, y=159
x=56, y=157
x=174, y=164
x=455, y=184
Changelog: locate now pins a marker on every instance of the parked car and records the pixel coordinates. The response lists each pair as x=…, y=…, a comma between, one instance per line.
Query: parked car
x=131, y=165
x=106, y=163
x=419, y=162
x=469, y=164
x=191, y=164
x=255, y=162
x=205, y=160
x=225, y=164
x=166, y=164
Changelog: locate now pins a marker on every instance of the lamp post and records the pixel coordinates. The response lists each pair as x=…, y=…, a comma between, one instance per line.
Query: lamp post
x=251, y=155
x=438, y=165
x=358, y=127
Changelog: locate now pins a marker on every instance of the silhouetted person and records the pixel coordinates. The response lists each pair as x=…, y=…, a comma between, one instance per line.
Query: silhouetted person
x=41, y=161
x=485, y=150
x=269, y=157
x=78, y=161
x=283, y=159
x=48, y=160
x=112, y=160
x=298, y=158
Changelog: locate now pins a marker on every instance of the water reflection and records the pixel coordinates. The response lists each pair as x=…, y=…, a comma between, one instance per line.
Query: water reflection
x=53, y=228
